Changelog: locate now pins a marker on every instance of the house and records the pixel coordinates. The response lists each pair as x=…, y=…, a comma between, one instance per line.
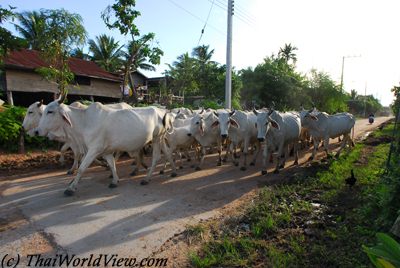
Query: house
x=23, y=85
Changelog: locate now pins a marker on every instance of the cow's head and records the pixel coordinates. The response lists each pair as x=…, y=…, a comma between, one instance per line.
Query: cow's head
x=32, y=117
x=224, y=121
x=264, y=123
x=196, y=125
x=55, y=116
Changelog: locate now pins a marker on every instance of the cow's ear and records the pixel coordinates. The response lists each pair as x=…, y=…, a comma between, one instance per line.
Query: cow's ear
x=274, y=124
x=234, y=123
x=66, y=118
x=215, y=124
x=313, y=117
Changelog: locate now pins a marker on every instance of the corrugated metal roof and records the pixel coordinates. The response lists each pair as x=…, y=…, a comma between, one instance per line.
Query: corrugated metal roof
x=30, y=59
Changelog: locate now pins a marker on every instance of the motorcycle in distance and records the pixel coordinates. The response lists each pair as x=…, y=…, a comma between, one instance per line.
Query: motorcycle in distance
x=371, y=118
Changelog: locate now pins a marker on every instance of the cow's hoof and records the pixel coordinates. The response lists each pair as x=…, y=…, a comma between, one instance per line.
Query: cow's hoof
x=263, y=172
x=276, y=171
x=112, y=185
x=219, y=164
x=144, y=182
x=252, y=164
x=236, y=164
x=133, y=173
x=296, y=163
x=181, y=167
x=198, y=168
x=161, y=172
x=282, y=166
x=311, y=158
x=70, y=172
x=174, y=174
x=68, y=192
x=243, y=168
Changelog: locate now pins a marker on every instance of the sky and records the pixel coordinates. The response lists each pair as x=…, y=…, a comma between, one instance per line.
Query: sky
x=364, y=33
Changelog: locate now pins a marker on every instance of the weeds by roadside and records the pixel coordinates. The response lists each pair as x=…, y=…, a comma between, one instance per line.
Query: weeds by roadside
x=316, y=220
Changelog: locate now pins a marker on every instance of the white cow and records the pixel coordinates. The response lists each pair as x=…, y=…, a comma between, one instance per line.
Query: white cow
x=202, y=129
x=324, y=126
x=104, y=131
x=278, y=130
x=240, y=128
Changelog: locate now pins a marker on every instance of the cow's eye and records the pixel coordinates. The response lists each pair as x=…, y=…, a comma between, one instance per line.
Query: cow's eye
x=49, y=112
x=197, y=123
x=30, y=112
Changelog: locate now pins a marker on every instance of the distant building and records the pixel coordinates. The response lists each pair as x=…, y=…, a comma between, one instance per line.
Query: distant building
x=23, y=85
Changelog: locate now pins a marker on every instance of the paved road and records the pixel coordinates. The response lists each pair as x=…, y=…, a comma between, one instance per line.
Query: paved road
x=131, y=220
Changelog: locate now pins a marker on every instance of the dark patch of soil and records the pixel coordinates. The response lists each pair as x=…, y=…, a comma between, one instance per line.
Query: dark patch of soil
x=374, y=141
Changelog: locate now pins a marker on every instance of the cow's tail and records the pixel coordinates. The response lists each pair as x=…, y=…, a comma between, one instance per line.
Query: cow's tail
x=352, y=137
x=168, y=123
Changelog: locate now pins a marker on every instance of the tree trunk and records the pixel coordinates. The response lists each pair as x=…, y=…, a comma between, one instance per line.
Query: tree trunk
x=396, y=227
x=21, y=142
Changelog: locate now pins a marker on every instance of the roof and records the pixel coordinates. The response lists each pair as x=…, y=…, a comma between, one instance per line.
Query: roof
x=30, y=59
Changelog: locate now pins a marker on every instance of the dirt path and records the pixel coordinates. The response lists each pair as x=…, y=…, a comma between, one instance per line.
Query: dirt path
x=131, y=220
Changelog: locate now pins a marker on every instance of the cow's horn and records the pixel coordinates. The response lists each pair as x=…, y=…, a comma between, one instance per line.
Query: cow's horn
x=62, y=98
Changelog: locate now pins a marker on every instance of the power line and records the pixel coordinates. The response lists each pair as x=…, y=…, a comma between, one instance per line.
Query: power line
x=195, y=16
x=238, y=11
x=205, y=24
x=224, y=7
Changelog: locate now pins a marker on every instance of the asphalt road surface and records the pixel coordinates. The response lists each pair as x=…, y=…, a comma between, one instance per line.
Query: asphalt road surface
x=130, y=220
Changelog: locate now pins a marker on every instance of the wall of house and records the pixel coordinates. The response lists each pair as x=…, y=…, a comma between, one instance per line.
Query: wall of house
x=28, y=81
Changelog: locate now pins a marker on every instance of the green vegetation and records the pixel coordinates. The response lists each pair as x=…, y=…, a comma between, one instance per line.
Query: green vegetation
x=386, y=253
x=315, y=220
x=10, y=130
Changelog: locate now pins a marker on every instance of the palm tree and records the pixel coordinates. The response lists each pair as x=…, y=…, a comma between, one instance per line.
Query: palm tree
x=202, y=54
x=140, y=59
x=106, y=52
x=78, y=53
x=32, y=27
x=287, y=53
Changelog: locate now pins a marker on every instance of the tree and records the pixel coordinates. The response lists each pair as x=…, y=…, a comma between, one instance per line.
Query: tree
x=7, y=40
x=182, y=73
x=32, y=28
x=287, y=53
x=106, y=52
x=80, y=54
x=143, y=59
x=63, y=32
x=121, y=15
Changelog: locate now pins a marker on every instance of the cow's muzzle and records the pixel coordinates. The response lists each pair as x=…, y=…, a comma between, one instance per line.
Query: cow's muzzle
x=261, y=139
x=224, y=136
x=189, y=134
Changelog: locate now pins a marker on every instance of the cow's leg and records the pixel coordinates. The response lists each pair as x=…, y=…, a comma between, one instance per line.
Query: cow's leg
x=202, y=156
x=87, y=160
x=233, y=148
x=111, y=163
x=245, y=153
x=155, y=157
x=279, y=157
x=63, y=150
x=264, y=161
x=168, y=154
x=326, y=146
x=296, y=153
x=345, y=139
x=314, y=152
x=219, y=148
x=255, y=155
x=77, y=158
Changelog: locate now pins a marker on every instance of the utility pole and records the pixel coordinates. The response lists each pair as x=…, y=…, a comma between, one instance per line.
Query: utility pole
x=228, y=78
x=341, y=76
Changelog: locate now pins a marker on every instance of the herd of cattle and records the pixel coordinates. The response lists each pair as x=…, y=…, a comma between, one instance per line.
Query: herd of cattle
x=104, y=131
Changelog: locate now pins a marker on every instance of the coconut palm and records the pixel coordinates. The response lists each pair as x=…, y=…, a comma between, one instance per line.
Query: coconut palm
x=31, y=26
x=287, y=53
x=106, y=52
x=140, y=61
x=202, y=54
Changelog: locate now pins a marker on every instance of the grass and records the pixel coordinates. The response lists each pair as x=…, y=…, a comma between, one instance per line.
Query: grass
x=314, y=221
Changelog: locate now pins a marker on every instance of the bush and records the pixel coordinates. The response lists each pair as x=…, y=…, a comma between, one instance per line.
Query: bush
x=11, y=118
